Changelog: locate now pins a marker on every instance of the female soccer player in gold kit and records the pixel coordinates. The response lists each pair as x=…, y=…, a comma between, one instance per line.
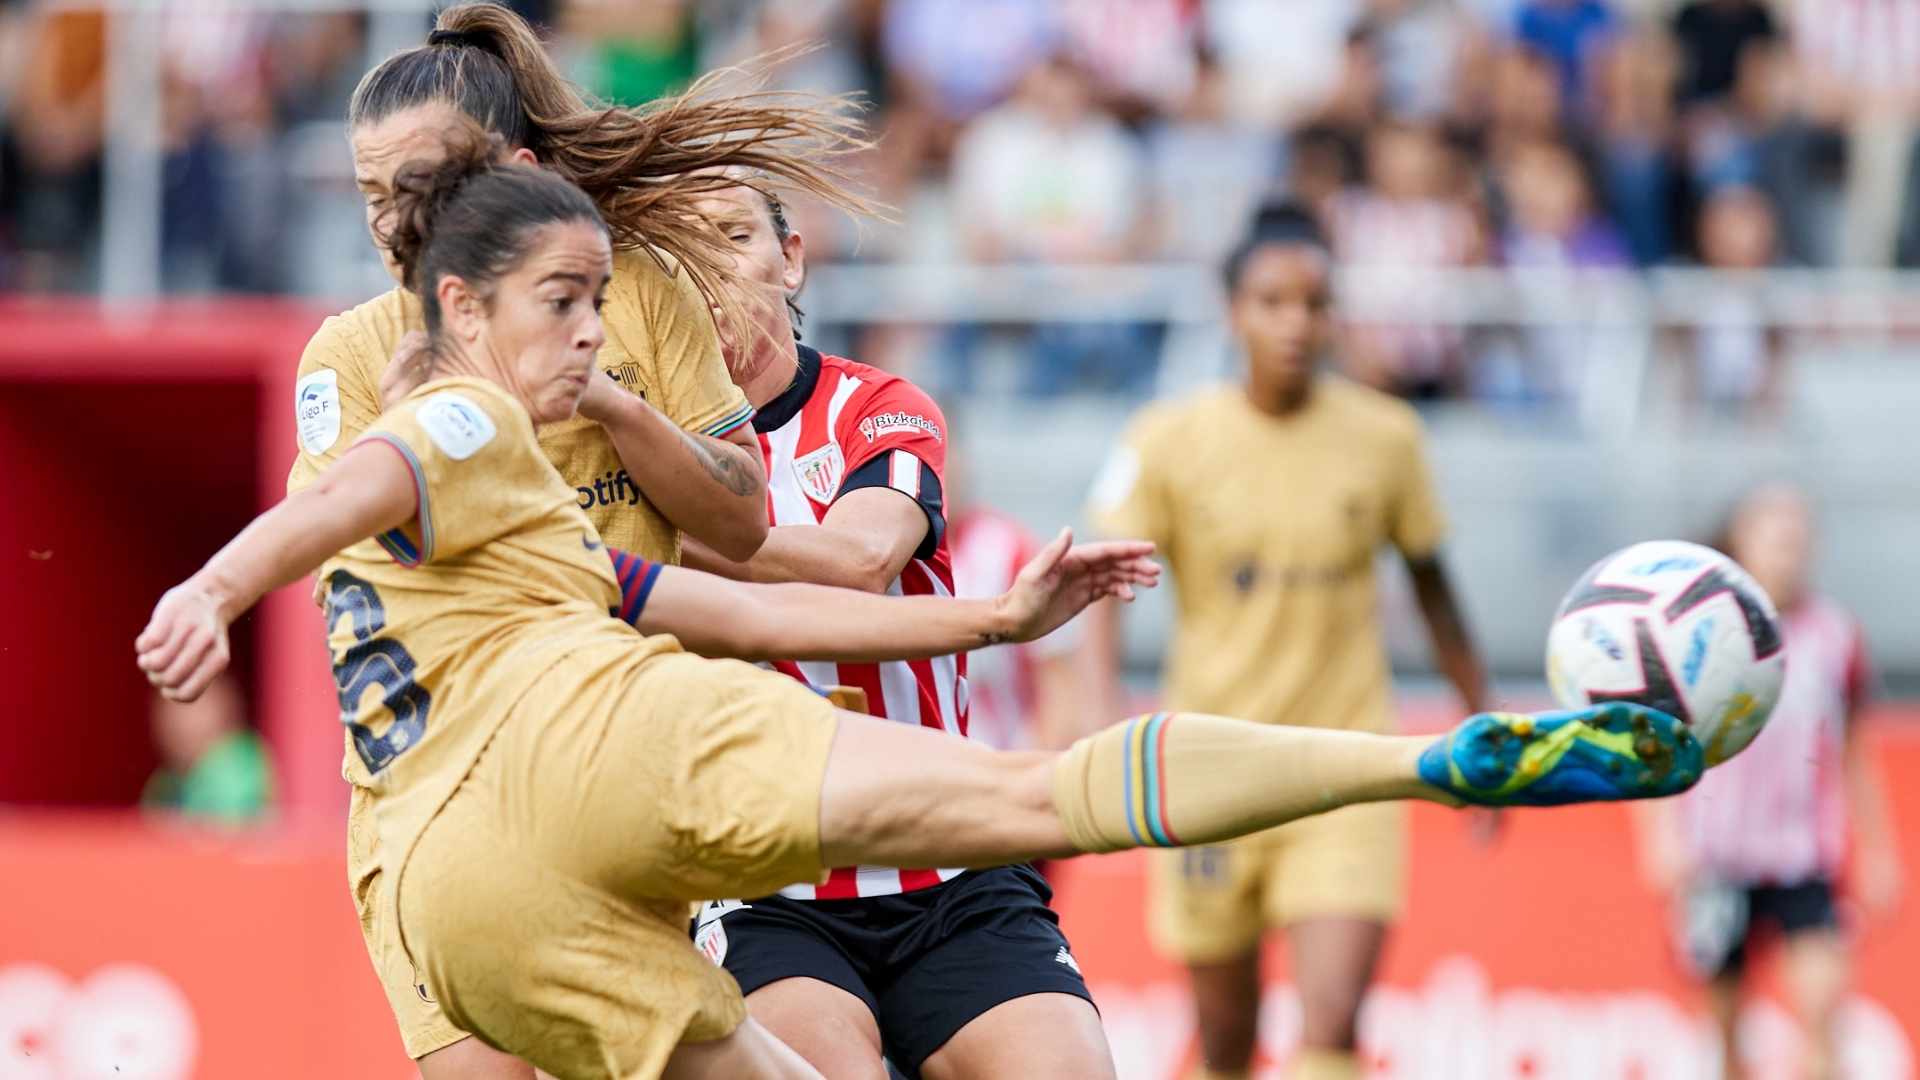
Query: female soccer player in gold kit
x=552, y=788
x=671, y=453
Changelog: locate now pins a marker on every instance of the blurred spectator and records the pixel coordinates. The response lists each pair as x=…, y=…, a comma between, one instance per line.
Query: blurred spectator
x=211, y=764
x=1574, y=35
x=1552, y=222
x=959, y=57
x=57, y=119
x=1282, y=59
x=1553, y=226
x=1860, y=66
x=1425, y=49
x=1735, y=353
x=635, y=50
x=1207, y=174
x=1049, y=177
x=1405, y=218
x=820, y=45
x=1712, y=36
x=1321, y=161
x=1759, y=845
x=1522, y=100
x=1632, y=144
x=1142, y=53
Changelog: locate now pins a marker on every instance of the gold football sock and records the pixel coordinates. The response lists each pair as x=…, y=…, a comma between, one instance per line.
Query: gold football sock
x=1187, y=778
x=1325, y=1065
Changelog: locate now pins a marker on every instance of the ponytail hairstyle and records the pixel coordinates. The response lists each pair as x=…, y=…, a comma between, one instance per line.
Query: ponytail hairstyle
x=647, y=169
x=471, y=217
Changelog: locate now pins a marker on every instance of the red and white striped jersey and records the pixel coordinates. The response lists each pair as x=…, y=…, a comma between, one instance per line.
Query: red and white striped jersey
x=843, y=426
x=1777, y=813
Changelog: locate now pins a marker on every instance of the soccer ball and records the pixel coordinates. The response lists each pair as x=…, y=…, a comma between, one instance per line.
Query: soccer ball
x=1675, y=626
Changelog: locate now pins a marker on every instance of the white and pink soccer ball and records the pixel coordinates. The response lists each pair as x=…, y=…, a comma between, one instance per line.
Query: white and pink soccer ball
x=1677, y=627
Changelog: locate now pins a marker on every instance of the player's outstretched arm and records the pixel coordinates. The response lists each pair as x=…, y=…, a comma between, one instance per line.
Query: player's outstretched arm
x=720, y=617
x=185, y=643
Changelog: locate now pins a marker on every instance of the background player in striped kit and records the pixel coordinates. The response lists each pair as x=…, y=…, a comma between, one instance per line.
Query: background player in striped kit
x=1269, y=501
x=955, y=975
x=1761, y=844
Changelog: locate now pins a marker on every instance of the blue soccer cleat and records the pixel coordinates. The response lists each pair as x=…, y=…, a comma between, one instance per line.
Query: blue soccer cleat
x=1603, y=753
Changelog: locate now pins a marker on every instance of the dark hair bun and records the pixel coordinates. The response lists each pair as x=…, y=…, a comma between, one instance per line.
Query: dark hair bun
x=474, y=215
x=1285, y=223
x=422, y=190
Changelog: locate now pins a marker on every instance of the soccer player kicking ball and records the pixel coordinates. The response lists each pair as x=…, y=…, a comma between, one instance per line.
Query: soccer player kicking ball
x=552, y=788
x=1270, y=499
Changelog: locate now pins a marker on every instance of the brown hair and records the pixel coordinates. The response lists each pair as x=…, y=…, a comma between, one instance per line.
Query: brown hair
x=472, y=217
x=647, y=169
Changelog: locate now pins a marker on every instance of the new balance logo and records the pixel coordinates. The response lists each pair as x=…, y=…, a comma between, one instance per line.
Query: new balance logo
x=1065, y=957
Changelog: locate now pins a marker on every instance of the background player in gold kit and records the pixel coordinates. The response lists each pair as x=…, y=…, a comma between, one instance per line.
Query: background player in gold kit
x=672, y=453
x=1269, y=501
x=552, y=788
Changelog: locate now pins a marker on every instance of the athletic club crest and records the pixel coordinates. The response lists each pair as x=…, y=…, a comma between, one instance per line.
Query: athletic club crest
x=819, y=473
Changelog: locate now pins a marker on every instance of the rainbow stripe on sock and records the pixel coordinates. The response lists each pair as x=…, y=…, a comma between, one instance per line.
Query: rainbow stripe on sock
x=1143, y=781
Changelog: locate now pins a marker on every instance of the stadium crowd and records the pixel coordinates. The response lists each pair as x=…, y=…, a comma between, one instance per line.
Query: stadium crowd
x=1574, y=134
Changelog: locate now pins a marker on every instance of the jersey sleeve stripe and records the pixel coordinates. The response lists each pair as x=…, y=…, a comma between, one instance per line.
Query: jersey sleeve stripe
x=637, y=576
x=904, y=474
x=733, y=420
x=395, y=540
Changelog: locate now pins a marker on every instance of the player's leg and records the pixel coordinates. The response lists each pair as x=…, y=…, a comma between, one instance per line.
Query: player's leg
x=985, y=986
x=1333, y=961
x=1338, y=882
x=1226, y=1001
x=803, y=966
x=899, y=796
x=832, y=1029
x=750, y=1053
x=1818, y=968
x=1724, y=993
x=1053, y=1035
x=471, y=1059
x=1206, y=908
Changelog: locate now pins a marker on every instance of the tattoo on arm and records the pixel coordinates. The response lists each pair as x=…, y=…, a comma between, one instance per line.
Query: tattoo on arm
x=726, y=468
x=993, y=639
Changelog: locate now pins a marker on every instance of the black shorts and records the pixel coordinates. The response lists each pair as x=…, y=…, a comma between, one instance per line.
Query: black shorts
x=1791, y=909
x=1723, y=919
x=925, y=962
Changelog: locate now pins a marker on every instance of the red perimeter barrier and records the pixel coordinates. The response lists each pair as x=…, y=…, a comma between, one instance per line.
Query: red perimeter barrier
x=134, y=951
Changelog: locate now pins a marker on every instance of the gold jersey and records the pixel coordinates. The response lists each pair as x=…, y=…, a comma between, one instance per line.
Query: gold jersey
x=1269, y=527
x=661, y=345
x=439, y=627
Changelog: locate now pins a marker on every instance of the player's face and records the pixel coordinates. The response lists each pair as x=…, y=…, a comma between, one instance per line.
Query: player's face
x=762, y=259
x=380, y=148
x=1772, y=537
x=1282, y=312
x=540, y=332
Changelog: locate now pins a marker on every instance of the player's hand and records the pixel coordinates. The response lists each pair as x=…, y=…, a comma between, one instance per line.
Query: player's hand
x=602, y=396
x=1063, y=579
x=184, y=647
x=410, y=366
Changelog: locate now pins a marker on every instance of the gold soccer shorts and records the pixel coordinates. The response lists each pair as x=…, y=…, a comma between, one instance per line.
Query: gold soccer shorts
x=547, y=904
x=1209, y=904
x=423, y=1027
